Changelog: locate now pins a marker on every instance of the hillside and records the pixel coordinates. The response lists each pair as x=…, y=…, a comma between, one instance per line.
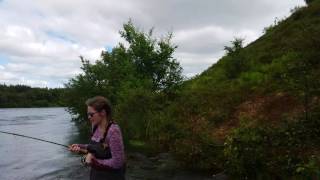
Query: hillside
x=278, y=67
x=262, y=102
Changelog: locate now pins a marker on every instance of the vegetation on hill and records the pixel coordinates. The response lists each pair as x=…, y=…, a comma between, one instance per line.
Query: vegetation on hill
x=255, y=113
x=262, y=101
x=12, y=96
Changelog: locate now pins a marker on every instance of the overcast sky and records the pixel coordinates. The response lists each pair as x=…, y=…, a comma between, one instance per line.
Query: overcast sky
x=41, y=40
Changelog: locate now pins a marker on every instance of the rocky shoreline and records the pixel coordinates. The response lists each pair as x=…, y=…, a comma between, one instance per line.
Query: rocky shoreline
x=159, y=167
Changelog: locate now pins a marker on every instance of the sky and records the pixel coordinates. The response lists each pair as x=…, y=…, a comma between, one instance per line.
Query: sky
x=41, y=40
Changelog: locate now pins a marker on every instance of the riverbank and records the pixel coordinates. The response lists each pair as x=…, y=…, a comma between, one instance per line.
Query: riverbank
x=142, y=167
x=161, y=167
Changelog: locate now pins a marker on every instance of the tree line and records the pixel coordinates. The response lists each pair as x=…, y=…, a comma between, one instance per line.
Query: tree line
x=14, y=96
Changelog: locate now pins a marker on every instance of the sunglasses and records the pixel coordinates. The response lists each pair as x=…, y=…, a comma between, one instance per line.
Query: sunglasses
x=91, y=114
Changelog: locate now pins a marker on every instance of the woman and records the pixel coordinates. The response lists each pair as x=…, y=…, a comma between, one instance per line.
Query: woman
x=106, y=134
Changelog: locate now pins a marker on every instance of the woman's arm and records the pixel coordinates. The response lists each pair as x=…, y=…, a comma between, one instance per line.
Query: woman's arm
x=117, y=151
x=83, y=146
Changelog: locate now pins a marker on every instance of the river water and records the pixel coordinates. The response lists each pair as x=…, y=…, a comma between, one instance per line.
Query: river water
x=27, y=159
x=22, y=158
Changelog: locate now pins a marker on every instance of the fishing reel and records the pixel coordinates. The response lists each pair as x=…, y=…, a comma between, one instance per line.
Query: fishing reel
x=83, y=161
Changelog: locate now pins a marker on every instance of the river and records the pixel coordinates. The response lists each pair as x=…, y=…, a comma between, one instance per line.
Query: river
x=27, y=159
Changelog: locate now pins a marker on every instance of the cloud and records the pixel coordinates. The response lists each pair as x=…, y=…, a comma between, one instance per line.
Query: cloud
x=41, y=41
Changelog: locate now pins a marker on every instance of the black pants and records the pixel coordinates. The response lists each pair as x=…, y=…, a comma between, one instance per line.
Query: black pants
x=107, y=174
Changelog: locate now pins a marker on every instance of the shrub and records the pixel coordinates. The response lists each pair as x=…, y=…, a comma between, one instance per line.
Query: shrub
x=287, y=151
x=309, y=1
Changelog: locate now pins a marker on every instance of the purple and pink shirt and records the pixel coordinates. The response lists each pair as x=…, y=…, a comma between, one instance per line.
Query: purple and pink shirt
x=115, y=142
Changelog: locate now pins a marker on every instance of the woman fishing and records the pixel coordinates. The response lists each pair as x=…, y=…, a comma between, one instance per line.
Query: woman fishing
x=106, y=134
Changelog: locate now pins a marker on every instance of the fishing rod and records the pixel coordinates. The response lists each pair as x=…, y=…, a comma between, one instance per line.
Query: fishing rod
x=95, y=149
x=43, y=140
x=34, y=138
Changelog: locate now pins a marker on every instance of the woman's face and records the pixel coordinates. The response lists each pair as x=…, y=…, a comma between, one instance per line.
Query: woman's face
x=94, y=116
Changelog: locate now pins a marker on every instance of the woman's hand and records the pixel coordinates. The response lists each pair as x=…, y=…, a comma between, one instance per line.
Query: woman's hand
x=89, y=158
x=74, y=148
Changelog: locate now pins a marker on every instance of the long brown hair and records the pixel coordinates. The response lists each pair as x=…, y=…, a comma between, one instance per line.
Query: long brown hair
x=100, y=103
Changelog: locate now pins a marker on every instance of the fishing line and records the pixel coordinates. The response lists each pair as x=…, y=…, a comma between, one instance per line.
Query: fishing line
x=34, y=138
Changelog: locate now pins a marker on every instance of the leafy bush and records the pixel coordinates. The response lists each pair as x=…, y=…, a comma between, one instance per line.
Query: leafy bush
x=245, y=151
x=290, y=150
x=309, y=169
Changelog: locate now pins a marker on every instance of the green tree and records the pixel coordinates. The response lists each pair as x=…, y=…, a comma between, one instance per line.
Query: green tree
x=309, y=1
x=237, y=45
x=152, y=58
x=235, y=62
x=131, y=76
